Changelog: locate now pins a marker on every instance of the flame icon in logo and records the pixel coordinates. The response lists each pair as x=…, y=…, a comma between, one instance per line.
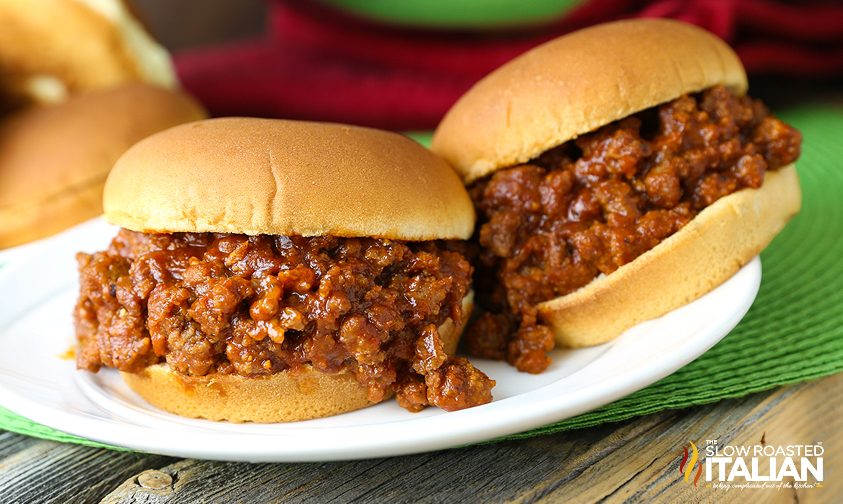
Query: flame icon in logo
x=686, y=467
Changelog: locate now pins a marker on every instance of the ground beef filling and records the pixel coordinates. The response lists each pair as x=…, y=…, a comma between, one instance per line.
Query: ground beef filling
x=593, y=204
x=222, y=303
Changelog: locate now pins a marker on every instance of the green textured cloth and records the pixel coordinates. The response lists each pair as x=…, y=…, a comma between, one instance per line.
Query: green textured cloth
x=793, y=332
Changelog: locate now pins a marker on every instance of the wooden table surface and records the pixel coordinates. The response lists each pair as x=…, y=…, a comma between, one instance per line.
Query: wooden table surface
x=636, y=460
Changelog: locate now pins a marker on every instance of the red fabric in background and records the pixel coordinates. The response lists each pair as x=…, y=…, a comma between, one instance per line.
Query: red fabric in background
x=315, y=63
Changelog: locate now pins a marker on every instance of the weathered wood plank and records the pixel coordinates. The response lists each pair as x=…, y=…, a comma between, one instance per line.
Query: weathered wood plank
x=46, y=472
x=12, y=443
x=800, y=414
x=631, y=461
x=627, y=462
x=474, y=474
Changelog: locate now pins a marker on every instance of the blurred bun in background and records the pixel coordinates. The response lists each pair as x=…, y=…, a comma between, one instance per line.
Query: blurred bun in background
x=51, y=49
x=54, y=159
x=80, y=82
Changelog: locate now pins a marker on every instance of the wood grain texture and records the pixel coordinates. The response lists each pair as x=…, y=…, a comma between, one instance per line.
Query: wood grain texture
x=634, y=461
x=33, y=470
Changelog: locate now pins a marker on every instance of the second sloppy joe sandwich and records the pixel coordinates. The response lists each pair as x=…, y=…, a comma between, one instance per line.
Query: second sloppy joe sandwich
x=273, y=270
x=619, y=172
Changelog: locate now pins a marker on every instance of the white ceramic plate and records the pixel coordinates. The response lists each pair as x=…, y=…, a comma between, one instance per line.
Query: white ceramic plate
x=38, y=288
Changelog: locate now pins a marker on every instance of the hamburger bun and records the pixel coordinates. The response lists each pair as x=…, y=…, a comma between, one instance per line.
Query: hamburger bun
x=54, y=159
x=51, y=49
x=281, y=397
x=270, y=176
x=574, y=85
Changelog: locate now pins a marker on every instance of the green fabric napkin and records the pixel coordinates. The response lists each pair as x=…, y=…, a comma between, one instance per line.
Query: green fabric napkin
x=459, y=14
x=793, y=332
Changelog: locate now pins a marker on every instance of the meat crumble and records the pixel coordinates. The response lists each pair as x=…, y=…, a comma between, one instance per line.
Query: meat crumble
x=593, y=204
x=257, y=305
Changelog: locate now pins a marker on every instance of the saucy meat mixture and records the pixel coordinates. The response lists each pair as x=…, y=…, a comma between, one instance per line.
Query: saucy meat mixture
x=593, y=204
x=257, y=305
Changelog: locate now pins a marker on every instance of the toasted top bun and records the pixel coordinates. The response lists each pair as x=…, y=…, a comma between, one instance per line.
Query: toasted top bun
x=576, y=83
x=50, y=49
x=54, y=159
x=281, y=397
x=705, y=253
x=269, y=176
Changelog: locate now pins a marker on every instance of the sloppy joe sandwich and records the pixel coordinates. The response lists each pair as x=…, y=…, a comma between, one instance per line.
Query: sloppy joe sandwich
x=619, y=172
x=271, y=270
x=54, y=159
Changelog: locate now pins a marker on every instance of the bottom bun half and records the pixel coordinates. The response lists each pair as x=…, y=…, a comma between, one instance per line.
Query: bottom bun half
x=705, y=253
x=281, y=397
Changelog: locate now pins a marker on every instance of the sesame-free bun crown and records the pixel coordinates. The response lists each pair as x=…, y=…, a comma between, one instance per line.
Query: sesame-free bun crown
x=577, y=83
x=53, y=49
x=269, y=176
